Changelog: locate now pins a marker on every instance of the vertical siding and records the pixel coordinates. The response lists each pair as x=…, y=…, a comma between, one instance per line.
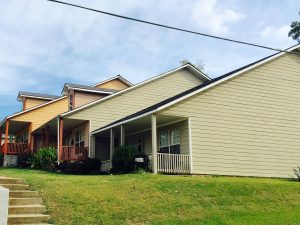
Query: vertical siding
x=136, y=99
x=31, y=102
x=82, y=98
x=249, y=125
x=43, y=114
x=113, y=84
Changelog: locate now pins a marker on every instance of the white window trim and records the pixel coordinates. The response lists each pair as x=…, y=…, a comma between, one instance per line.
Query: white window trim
x=170, y=139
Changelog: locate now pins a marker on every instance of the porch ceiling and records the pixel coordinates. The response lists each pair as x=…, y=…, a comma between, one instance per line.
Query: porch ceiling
x=141, y=124
x=14, y=126
x=52, y=124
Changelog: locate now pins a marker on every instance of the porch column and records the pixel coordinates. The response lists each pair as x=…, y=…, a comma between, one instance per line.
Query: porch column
x=122, y=138
x=6, y=137
x=112, y=143
x=0, y=138
x=47, y=135
x=30, y=136
x=154, y=142
x=61, y=130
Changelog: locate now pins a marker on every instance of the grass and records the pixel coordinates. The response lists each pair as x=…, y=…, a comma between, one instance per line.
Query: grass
x=160, y=199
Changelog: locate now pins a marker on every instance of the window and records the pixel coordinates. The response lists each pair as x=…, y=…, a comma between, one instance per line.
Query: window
x=169, y=141
x=22, y=138
x=79, y=138
x=71, y=101
x=136, y=142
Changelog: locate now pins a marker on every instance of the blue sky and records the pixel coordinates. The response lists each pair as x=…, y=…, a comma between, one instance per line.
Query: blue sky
x=43, y=45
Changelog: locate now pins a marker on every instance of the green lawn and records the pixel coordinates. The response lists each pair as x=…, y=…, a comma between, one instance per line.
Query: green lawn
x=161, y=199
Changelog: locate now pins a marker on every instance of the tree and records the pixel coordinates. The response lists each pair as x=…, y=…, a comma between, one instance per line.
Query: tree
x=295, y=30
x=199, y=64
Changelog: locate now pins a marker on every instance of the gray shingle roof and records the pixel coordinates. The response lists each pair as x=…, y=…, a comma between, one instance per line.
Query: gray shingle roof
x=37, y=95
x=90, y=88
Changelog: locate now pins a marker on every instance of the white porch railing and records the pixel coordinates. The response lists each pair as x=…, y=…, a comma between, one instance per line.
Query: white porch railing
x=106, y=166
x=173, y=163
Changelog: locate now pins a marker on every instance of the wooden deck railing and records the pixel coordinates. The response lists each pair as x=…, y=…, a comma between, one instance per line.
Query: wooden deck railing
x=74, y=153
x=15, y=148
x=173, y=163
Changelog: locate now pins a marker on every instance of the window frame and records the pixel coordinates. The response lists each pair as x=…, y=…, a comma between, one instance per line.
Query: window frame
x=170, y=140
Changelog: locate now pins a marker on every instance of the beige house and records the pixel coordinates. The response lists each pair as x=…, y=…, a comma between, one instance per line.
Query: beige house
x=106, y=110
x=244, y=123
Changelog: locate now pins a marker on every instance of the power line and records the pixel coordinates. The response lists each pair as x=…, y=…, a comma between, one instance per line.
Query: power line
x=172, y=28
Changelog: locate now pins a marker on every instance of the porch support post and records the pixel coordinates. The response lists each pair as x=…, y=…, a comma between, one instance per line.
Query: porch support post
x=190, y=145
x=0, y=138
x=61, y=130
x=6, y=137
x=112, y=143
x=154, y=142
x=122, y=142
x=47, y=135
x=30, y=136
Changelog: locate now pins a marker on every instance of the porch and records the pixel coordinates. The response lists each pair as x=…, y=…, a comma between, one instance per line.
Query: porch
x=17, y=137
x=165, y=139
x=69, y=136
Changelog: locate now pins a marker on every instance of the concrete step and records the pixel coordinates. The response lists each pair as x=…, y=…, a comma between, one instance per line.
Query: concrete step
x=8, y=180
x=24, y=201
x=16, y=187
x=26, y=209
x=27, y=219
x=23, y=194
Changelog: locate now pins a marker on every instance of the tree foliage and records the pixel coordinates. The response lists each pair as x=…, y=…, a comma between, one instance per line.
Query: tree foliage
x=295, y=30
x=199, y=64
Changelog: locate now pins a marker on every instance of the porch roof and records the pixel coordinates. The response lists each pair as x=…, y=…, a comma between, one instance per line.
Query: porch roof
x=14, y=126
x=142, y=124
x=53, y=125
x=181, y=96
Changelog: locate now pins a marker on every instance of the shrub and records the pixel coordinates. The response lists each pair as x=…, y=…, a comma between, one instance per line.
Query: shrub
x=44, y=158
x=79, y=167
x=142, y=165
x=25, y=160
x=1, y=159
x=123, y=160
x=297, y=173
x=92, y=164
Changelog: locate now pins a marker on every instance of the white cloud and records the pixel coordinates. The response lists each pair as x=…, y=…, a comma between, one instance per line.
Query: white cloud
x=276, y=33
x=211, y=16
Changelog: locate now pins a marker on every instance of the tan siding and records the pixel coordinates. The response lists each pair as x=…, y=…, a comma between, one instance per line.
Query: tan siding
x=71, y=134
x=43, y=114
x=31, y=102
x=249, y=125
x=136, y=99
x=113, y=84
x=82, y=98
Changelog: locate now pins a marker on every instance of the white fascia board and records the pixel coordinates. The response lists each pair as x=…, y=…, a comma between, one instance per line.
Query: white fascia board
x=113, y=78
x=31, y=109
x=92, y=91
x=128, y=89
x=200, y=90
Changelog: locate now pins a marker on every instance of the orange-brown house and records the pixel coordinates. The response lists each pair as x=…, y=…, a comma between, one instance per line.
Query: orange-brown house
x=26, y=130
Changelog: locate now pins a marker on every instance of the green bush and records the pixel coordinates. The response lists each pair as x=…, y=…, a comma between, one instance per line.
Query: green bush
x=1, y=159
x=44, y=158
x=80, y=167
x=24, y=160
x=297, y=173
x=123, y=160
